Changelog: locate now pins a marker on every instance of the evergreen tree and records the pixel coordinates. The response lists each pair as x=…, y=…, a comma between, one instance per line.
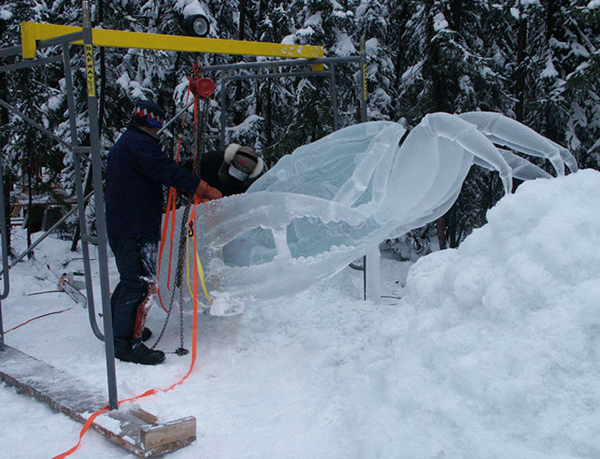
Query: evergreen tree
x=575, y=90
x=29, y=155
x=373, y=24
x=536, y=61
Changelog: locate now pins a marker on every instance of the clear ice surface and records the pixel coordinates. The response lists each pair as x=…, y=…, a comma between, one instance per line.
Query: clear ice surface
x=329, y=202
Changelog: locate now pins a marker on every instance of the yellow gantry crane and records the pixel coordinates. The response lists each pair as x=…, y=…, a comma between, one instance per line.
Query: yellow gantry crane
x=34, y=32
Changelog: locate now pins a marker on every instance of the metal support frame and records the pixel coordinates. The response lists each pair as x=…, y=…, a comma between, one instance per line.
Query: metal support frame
x=44, y=235
x=371, y=258
x=37, y=36
x=4, y=242
x=34, y=34
x=226, y=78
x=113, y=400
x=226, y=74
x=12, y=51
x=371, y=275
x=5, y=273
x=36, y=125
x=27, y=64
x=371, y=278
x=78, y=153
x=79, y=190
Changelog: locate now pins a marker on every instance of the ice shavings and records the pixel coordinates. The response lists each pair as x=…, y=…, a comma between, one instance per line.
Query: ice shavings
x=224, y=305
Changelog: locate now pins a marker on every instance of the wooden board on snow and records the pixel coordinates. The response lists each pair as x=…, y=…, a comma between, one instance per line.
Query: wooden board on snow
x=138, y=431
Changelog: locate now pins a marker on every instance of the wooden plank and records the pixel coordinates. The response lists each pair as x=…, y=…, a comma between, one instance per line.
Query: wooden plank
x=148, y=418
x=78, y=400
x=47, y=384
x=153, y=437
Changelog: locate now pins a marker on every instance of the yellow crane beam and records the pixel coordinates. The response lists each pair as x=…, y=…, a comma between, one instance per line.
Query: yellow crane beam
x=32, y=32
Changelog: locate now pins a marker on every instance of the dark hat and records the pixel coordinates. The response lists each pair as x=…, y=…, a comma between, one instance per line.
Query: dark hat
x=243, y=163
x=149, y=113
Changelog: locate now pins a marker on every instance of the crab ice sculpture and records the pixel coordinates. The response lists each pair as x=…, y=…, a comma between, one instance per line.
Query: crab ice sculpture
x=330, y=202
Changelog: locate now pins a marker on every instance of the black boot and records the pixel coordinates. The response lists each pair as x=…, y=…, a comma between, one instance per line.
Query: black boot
x=146, y=334
x=137, y=352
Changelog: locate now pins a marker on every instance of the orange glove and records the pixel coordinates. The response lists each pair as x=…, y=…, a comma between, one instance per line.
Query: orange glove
x=204, y=190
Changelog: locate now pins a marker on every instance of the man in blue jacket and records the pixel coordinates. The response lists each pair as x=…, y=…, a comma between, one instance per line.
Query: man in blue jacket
x=136, y=172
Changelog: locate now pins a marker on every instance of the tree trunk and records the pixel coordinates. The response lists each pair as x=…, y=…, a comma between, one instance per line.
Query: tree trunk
x=6, y=178
x=452, y=230
x=242, y=36
x=521, y=70
x=269, y=117
x=438, y=96
x=441, y=232
x=28, y=169
x=456, y=15
x=401, y=16
x=552, y=128
x=552, y=11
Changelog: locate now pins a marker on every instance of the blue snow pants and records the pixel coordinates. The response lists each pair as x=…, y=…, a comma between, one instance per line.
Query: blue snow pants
x=136, y=262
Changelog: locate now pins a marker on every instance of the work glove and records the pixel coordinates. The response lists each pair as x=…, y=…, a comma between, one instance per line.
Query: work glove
x=206, y=192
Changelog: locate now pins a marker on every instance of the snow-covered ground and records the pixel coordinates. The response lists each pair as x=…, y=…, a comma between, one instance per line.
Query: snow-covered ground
x=492, y=352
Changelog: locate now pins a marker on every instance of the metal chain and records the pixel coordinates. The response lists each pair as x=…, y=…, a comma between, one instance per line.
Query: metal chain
x=183, y=234
x=178, y=273
x=162, y=332
x=202, y=136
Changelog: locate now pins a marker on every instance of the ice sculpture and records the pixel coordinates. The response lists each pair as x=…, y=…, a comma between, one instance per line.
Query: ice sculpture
x=329, y=202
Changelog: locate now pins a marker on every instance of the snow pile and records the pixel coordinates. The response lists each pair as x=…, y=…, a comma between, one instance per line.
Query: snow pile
x=492, y=353
x=505, y=329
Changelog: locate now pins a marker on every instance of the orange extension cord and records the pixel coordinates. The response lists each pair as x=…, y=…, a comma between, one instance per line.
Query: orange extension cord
x=39, y=317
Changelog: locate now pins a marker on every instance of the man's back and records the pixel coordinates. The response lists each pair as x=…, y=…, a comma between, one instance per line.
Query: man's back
x=136, y=171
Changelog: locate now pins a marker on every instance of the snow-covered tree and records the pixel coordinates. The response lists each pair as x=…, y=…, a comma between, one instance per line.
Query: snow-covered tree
x=26, y=151
x=535, y=60
x=373, y=25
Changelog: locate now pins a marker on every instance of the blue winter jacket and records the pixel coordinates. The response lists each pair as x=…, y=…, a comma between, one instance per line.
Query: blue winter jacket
x=136, y=171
